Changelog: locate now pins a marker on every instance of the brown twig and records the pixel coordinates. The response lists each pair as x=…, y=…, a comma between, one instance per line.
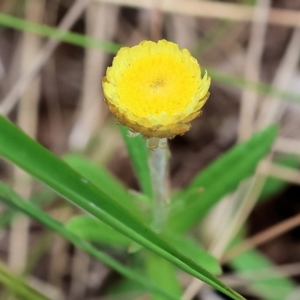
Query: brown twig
x=263, y=237
x=252, y=68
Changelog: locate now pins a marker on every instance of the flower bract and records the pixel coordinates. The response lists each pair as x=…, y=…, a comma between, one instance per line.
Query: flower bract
x=155, y=88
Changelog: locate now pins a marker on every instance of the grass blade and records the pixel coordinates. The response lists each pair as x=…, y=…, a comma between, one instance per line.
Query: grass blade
x=163, y=274
x=102, y=179
x=51, y=32
x=11, y=199
x=190, y=248
x=228, y=170
x=17, y=286
x=18, y=148
x=138, y=152
x=94, y=230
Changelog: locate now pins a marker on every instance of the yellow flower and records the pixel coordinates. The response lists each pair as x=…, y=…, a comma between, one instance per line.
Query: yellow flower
x=155, y=88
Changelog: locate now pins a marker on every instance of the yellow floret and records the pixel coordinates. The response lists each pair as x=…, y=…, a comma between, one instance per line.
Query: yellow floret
x=155, y=88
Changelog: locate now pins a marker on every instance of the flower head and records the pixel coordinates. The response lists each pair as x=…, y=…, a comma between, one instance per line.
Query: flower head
x=155, y=88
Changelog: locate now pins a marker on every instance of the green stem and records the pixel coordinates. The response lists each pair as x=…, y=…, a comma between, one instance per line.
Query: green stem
x=158, y=163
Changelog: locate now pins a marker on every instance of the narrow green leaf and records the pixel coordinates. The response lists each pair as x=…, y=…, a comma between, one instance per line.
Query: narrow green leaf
x=6, y=217
x=163, y=273
x=18, y=286
x=218, y=179
x=11, y=199
x=102, y=179
x=260, y=88
x=126, y=290
x=193, y=250
x=17, y=147
x=39, y=199
x=51, y=32
x=94, y=230
x=241, y=154
x=138, y=152
x=277, y=288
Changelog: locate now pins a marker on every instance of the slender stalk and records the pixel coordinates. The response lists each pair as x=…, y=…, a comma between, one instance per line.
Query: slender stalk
x=158, y=163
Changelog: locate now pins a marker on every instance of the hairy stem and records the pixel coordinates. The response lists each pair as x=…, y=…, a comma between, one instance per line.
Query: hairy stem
x=158, y=162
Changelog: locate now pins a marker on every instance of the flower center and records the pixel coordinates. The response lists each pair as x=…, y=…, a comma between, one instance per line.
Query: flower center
x=155, y=84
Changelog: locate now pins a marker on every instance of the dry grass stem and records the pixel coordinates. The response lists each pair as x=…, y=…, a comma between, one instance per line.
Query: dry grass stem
x=243, y=203
x=101, y=22
x=51, y=90
x=9, y=102
x=286, y=270
x=2, y=70
x=130, y=35
x=215, y=9
x=52, y=97
x=252, y=68
x=59, y=256
x=263, y=237
x=271, y=109
x=27, y=120
x=46, y=289
x=285, y=173
x=183, y=30
x=80, y=269
x=286, y=145
x=13, y=72
x=156, y=21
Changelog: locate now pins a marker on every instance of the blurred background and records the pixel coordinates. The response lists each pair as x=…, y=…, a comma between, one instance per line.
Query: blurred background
x=50, y=85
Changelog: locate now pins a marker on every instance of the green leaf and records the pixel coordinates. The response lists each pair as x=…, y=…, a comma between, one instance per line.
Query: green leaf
x=17, y=147
x=102, y=179
x=138, y=152
x=6, y=217
x=193, y=250
x=260, y=88
x=277, y=288
x=39, y=199
x=126, y=290
x=163, y=274
x=94, y=230
x=11, y=199
x=218, y=179
x=18, y=286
